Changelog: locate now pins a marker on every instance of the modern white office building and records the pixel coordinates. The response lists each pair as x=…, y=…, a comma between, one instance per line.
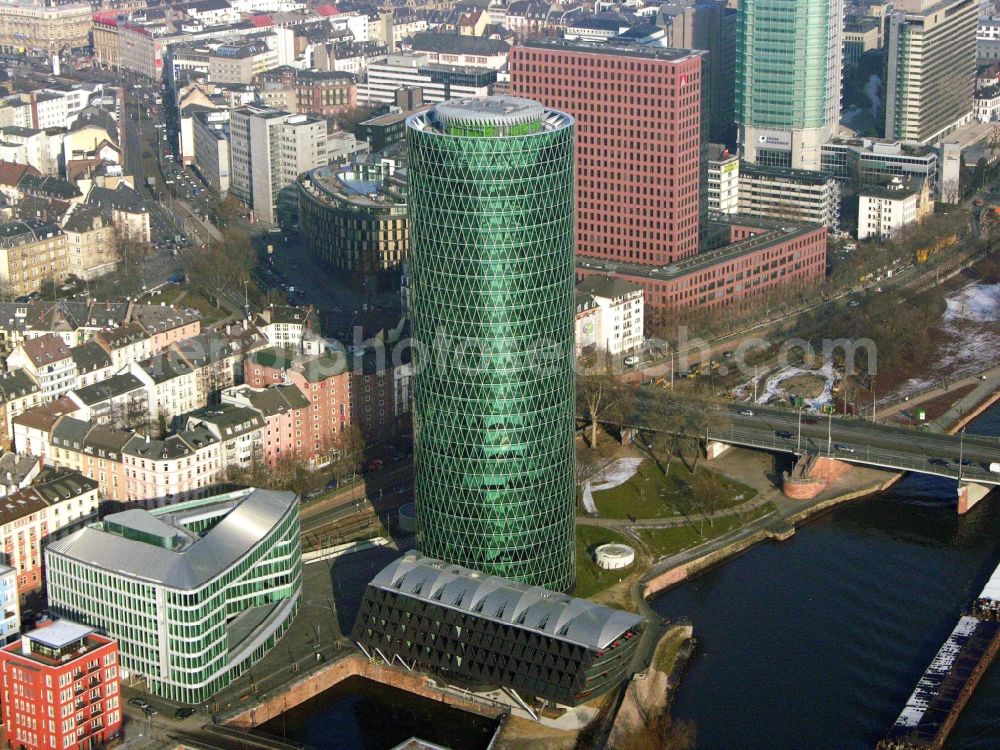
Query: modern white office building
x=268, y=150
x=194, y=593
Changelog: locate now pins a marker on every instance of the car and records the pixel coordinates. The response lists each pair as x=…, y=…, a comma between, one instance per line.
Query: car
x=843, y=448
x=784, y=434
x=937, y=461
x=964, y=461
x=746, y=412
x=184, y=712
x=138, y=703
x=810, y=420
x=150, y=711
x=631, y=360
x=853, y=303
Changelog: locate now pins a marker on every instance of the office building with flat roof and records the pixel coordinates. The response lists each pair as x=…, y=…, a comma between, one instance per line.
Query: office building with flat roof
x=490, y=194
x=479, y=629
x=930, y=68
x=59, y=687
x=639, y=186
x=869, y=162
x=788, y=75
x=755, y=256
x=797, y=194
x=195, y=593
x=268, y=150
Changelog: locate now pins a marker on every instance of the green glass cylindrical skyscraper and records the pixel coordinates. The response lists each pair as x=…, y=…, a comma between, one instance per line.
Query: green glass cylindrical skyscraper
x=490, y=196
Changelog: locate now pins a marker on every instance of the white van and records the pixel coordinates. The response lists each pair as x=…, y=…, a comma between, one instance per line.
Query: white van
x=995, y=468
x=631, y=360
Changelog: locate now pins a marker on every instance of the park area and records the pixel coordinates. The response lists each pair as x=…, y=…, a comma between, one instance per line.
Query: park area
x=657, y=509
x=633, y=488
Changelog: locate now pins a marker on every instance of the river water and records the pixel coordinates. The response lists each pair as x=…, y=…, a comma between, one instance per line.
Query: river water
x=818, y=642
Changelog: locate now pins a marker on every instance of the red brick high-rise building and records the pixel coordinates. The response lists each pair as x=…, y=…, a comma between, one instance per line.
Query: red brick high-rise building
x=638, y=141
x=60, y=689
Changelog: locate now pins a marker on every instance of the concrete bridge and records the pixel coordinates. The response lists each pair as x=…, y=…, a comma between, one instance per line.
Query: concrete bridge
x=964, y=458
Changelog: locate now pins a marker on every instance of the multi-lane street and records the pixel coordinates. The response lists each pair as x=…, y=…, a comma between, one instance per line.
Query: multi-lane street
x=966, y=456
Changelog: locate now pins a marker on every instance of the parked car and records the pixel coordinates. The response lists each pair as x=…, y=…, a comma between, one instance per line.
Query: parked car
x=138, y=703
x=184, y=712
x=631, y=360
x=150, y=710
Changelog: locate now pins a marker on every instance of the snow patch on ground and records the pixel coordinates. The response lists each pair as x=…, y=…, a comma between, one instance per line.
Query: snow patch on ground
x=976, y=303
x=616, y=473
x=969, y=336
x=774, y=391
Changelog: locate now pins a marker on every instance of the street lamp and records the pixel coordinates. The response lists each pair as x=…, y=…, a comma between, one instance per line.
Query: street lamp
x=961, y=453
x=798, y=435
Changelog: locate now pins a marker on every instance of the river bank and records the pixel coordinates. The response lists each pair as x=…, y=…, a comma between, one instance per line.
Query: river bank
x=782, y=524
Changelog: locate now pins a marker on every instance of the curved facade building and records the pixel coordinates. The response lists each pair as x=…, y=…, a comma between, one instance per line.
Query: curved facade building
x=195, y=593
x=491, y=294
x=355, y=221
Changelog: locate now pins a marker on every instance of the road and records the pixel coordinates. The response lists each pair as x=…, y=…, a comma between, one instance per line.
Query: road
x=851, y=440
x=162, y=222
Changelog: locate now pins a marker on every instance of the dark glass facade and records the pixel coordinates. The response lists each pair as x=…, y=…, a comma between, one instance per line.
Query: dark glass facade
x=484, y=632
x=491, y=267
x=356, y=223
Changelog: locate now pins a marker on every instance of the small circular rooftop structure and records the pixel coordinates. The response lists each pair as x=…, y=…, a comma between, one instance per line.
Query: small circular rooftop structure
x=614, y=556
x=408, y=518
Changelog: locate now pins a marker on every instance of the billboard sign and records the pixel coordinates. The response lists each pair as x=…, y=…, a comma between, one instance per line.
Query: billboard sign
x=776, y=139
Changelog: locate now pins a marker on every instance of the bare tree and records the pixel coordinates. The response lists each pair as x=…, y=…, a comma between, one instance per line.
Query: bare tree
x=600, y=396
x=662, y=732
x=220, y=267
x=131, y=252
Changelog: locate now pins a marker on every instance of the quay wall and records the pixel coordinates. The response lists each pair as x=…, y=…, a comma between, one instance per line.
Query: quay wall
x=355, y=665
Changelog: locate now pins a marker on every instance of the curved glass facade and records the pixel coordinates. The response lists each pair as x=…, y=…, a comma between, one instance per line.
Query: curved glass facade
x=189, y=640
x=492, y=276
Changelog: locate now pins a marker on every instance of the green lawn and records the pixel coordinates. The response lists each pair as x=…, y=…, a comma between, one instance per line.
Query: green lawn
x=167, y=294
x=671, y=541
x=589, y=578
x=650, y=494
x=209, y=312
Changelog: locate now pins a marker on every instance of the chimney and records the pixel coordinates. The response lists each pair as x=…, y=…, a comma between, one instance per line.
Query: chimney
x=25, y=645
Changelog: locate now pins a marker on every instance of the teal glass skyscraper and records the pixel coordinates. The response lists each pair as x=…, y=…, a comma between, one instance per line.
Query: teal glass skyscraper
x=490, y=195
x=789, y=56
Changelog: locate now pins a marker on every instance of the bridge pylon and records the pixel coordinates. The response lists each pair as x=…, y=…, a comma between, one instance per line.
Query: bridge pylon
x=970, y=493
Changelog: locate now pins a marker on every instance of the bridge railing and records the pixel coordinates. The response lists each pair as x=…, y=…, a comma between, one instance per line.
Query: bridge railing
x=867, y=455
